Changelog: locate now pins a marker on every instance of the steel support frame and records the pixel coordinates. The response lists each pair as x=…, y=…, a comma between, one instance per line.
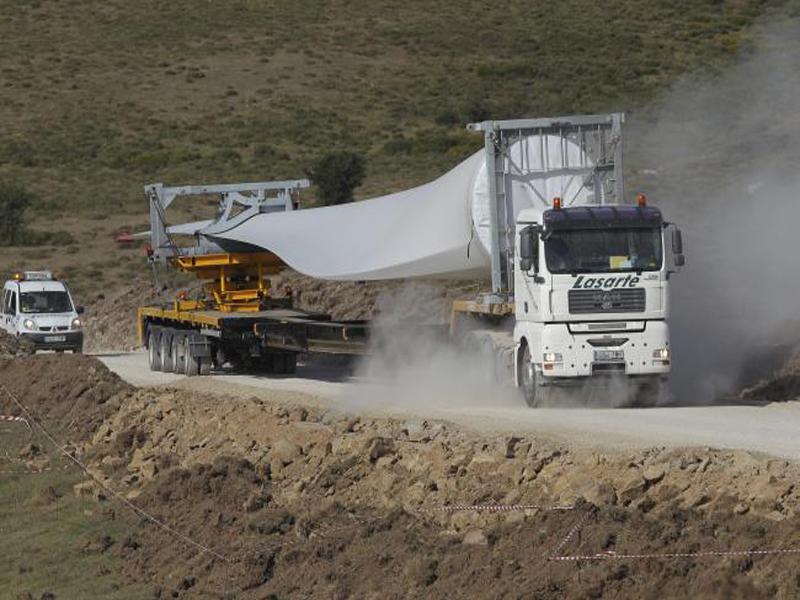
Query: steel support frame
x=256, y=197
x=498, y=136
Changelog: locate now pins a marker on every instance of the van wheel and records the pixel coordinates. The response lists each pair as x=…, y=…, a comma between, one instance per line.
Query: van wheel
x=154, y=349
x=166, y=350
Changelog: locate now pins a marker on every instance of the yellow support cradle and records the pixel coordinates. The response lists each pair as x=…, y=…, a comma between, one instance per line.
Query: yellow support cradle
x=236, y=282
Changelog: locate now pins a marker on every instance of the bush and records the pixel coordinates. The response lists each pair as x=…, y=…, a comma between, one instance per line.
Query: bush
x=337, y=175
x=14, y=199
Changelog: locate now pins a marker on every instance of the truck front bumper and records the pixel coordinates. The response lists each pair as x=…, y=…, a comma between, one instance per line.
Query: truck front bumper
x=57, y=340
x=629, y=353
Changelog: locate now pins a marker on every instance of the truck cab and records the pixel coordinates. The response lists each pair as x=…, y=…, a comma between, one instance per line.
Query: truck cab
x=592, y=300
x=39, y=308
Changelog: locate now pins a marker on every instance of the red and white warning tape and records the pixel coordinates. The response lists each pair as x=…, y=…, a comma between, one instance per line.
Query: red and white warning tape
x=493, y=508
x=610, y=555
x=34, y=472
x=7, y=418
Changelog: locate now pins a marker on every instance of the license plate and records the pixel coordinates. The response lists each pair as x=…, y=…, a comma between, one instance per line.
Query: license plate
x=55, y=338
x=609, y=356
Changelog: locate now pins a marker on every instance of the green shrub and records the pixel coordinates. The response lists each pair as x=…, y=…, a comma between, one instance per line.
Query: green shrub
x=337, y=175
x=14, y=200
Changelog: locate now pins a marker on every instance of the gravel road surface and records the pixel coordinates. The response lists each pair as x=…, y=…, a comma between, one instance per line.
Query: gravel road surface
x=773, y=429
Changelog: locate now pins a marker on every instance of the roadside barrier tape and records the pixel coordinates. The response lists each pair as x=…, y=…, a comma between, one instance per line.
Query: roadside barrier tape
x=7, y=418
x=141, y=512
x=610, y=555
x=494, y=508
x=573, y=531
x=36, y=472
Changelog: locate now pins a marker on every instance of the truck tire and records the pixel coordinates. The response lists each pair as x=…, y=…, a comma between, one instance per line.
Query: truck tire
x=527, y=379
x=177, y=347
x=191, y=363
x=647, y=395
x=154, y=349
x=481, y=348
x=165, y=344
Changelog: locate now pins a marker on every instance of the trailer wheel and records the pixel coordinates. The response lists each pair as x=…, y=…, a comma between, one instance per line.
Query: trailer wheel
x=191, y=364
x=205, y=365
x=279, y=364
x=178, y=347
x=154, y=349
x=165, y=345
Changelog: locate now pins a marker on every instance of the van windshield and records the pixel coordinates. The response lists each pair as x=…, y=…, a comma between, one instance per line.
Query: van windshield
x=45, y=302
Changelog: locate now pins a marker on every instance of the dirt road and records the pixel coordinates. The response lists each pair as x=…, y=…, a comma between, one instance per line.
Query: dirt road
x=771, y=429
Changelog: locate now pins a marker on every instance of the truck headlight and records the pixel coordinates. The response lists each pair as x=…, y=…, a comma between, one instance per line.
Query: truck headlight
x=76, y=323
x=29, y=324
x=661, y=354
x=551, y=359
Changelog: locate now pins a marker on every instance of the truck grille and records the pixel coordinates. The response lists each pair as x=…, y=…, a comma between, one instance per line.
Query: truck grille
x=606, y=301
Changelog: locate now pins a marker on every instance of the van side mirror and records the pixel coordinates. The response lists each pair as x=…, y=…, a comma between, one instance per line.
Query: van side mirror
x=529, y=249
x=80, y=310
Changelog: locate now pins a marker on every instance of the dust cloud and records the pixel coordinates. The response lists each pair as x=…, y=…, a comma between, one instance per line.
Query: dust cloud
x=721, y=156
x=414, y=365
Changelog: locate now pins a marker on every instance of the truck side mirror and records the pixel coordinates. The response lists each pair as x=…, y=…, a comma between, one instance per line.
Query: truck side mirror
x=529, y=249
x=80, y=310
x=677, y=241
x=676, y=237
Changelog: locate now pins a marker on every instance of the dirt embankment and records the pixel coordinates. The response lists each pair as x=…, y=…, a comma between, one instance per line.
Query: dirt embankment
x=12, y=347
x=110, y=321
x=356, y=505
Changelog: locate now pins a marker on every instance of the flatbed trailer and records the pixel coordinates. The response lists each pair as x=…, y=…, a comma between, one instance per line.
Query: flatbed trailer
x=191, y=341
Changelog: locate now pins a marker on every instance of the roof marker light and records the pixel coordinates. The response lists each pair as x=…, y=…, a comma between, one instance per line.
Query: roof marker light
x=641, y=199
x=556, y=203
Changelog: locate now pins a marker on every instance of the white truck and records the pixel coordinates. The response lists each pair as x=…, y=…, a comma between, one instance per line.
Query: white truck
x=39, y=308
x=579, y=276
x=581, y=281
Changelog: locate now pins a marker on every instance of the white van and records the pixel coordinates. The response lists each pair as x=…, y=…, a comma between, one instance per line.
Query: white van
x=39, y=308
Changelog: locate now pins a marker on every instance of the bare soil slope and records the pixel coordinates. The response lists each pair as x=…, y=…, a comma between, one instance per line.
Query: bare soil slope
x=358, y=506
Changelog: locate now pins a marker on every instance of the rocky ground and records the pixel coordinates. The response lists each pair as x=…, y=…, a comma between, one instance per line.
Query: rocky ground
x=272, y=499
x=11, y=347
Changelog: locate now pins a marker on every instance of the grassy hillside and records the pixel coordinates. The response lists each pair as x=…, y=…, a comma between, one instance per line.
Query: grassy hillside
x=98, y=98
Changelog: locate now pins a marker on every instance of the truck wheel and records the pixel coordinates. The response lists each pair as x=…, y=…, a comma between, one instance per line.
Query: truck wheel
x=478, y=345
x=166, y=350
x=647, y=395
x=154, y=349
x=527, y=379
x=177, y=348
x=190, y=362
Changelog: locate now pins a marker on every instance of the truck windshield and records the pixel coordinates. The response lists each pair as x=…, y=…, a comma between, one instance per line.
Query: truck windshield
x=606, y=251
x=45, y=302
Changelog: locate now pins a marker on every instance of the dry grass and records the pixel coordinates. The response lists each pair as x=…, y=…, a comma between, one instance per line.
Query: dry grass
x=98, y=98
